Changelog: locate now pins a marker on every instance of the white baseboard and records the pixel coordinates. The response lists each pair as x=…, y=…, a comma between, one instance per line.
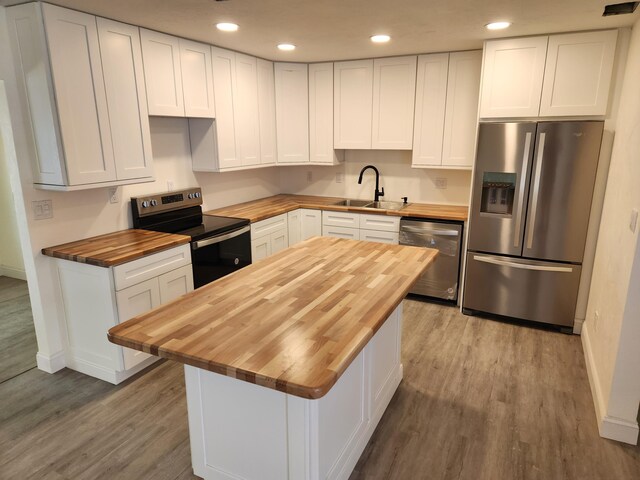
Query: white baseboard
x=52, y=363
x=12, y=272
x=609, y=427
x=108, y=375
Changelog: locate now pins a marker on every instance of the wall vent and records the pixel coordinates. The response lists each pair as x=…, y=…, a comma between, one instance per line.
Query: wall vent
x=620, y=8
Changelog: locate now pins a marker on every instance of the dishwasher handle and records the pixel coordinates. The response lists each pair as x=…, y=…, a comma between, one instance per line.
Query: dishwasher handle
x=428, y=231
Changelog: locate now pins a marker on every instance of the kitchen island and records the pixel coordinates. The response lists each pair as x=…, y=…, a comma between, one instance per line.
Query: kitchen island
x=290, y=362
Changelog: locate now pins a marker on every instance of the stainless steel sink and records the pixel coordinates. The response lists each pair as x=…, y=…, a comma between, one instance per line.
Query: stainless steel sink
x=349, y=202
x=387, y=205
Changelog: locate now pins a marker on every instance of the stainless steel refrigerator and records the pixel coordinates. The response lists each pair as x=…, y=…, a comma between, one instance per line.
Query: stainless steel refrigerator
x=532, y=192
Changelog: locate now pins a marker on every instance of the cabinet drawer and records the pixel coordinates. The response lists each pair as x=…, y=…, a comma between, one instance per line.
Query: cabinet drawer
x=340, y=219
x=340, y=232
x=150, y=266
x=383, y=223
x=268, y=226
x=379, y=236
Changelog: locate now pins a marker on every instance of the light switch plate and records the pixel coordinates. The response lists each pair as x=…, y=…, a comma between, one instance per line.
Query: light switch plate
x=339, y=177
x=441, y=183
x=42, y=209
x=633, y=221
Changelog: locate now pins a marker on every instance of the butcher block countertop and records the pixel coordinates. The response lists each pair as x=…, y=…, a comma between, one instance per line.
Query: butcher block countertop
x=292, y=322
x=116, y=248
x=258, y=210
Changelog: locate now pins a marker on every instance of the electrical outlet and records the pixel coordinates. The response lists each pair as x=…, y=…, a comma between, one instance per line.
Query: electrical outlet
x=633, y=221
x=42, y=209
x=309, y=176
x=169, y=185
x=113, y=195
x=441, y=183
x=596, y=320
x=339, y=177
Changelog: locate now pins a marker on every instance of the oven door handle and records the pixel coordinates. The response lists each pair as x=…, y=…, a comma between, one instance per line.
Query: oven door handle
x=220, y=238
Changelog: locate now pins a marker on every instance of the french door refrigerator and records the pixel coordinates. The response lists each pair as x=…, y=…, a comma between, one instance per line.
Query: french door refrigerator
x=532, y=192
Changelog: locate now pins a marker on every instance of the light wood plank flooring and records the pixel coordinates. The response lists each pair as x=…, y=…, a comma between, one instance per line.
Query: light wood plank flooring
x=18, y=345
x=479, y=400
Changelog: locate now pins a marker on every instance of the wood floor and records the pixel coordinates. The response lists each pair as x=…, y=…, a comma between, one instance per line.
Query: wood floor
x=18, y=345
x=479, y=400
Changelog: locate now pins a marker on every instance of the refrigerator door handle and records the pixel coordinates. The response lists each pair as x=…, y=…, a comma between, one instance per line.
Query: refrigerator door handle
x=522, y=266
x=536, y=189
x=523, y=179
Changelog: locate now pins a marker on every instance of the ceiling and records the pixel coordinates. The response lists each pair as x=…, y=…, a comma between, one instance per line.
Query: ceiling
x=340, y=29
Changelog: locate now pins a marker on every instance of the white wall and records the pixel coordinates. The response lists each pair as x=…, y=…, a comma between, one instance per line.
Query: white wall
x=611, y=334
x=396, y=176
x=11, y=264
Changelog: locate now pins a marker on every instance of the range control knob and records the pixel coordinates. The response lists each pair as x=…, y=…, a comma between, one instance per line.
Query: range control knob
x=145, y=204
x=197, y=195
x=154, y=203
x=190, y=196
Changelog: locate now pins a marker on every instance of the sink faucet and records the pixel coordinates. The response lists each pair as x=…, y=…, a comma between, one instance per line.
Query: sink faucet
x=377, y=193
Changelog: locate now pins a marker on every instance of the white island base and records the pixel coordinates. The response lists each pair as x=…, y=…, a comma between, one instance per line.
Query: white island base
x=240, y=430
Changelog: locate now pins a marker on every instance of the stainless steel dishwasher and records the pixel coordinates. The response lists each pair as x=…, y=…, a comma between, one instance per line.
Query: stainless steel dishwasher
x=441, y=278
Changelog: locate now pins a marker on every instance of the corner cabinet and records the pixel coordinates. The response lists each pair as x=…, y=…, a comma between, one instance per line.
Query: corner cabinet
x=557, y=75
x=98, y=298
x=374, y=103
x=178, y=76
x=81, y=83
x=446, y=110
x=292, y=112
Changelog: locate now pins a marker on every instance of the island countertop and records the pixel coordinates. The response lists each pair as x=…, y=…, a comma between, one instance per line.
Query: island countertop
x=292, y=322
x=257, y=210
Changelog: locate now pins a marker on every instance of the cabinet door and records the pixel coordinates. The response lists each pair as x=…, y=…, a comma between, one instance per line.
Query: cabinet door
x=279, y=241
x=311, y=223
x=126, y=98
x=294, y=226
x=431, y=97
x=224, y=75
x=260, y=248
x=292, y=112
x=80, y=95
x=353, y=104
x=578, y=72
x=394, y=95
x=461, y=117
x=197, y=82
x=162, y=72
x=175, y=283
x=246, y=109
x=267, y=112
x=321, y=113
x=133, y=301
x=512, y=77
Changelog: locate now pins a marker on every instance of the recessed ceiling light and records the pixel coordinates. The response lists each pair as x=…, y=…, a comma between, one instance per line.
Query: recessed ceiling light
x=380, y=38
x=287, y=47
x=497, y=25
x=227, y=27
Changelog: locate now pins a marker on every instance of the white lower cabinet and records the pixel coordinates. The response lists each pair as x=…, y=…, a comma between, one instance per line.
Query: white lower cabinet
x=97, y=298
x=269, y=236
x=304, y=223
x=294, y=226
x=361, y=226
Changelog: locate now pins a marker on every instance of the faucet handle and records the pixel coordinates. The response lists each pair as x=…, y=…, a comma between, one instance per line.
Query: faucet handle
x=404, y=199
x=381, y=192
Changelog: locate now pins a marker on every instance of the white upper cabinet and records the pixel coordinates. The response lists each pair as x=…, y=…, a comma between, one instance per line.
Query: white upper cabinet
x=447, y=109
x=292, y=112
x=197, y=83
x=126, y=98
x=81, y=88
x=559, y=75
x=267, y=112
x=353, y=104
x=431, y=98
x=177, y=75
x=394, y=93
x=577, y=77
x=512, y=77
x=321, y=114
x=460, y=119
x=247, y=120
x=163, y=77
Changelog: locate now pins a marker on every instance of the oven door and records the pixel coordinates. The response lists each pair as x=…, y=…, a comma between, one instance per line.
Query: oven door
x=220, y=255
